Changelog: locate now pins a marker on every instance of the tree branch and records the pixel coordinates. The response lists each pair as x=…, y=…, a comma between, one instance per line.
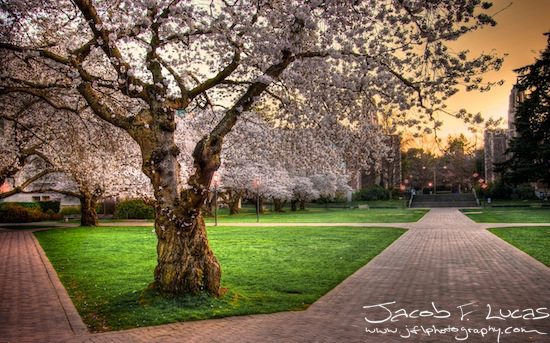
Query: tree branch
x=221, y=76
x=41, y=52
x=179, y=80
x=245, y=102
x=110, y=49
x=37, y=93
x=37, y=85
x=103, y=111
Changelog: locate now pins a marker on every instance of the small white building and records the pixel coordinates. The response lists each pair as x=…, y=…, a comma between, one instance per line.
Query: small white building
x=65, y=200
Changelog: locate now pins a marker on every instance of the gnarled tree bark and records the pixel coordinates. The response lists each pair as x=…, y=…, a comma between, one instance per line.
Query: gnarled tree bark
x=185, y=262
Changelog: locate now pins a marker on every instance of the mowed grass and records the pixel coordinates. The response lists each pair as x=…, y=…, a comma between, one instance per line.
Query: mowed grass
x=509, y=215
x=535, y=241
x=265, y=269
x=323, y=215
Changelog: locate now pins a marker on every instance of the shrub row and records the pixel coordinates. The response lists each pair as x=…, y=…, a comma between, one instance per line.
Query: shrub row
x=371, y=193
x=134, y=209
x=24, y=212
x=70, y=210
x=44, y=206
x=17, y=213
x=125, y=209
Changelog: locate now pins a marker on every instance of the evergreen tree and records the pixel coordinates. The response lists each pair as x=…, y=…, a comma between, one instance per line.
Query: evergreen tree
x=530, y=149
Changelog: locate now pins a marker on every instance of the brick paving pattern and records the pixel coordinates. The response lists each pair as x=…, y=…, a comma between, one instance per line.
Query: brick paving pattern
x=445, y=265
x=34, y=306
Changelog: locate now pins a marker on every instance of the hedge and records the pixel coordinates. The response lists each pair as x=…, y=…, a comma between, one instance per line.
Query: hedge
x=18, y=213
x=134, y=209
x=49, y=205
x=372, y=193
x=70, y=210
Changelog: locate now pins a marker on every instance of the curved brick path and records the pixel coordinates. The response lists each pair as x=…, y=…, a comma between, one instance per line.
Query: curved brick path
x=444, y=264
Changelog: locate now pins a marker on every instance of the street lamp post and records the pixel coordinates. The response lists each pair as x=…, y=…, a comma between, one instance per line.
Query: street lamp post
x=435, y=177
x=256, y=184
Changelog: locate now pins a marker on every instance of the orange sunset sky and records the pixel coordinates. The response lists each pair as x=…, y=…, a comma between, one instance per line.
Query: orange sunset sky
x=518, y=33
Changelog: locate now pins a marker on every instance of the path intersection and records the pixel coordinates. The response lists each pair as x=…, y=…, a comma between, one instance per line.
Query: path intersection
x=446, y=280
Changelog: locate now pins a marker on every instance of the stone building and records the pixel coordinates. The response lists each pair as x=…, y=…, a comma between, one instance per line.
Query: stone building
x=497, y=141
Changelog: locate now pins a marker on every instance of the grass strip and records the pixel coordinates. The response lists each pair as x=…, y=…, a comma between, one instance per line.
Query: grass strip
x=509, y=215
x=535, y=241
x=323, y=215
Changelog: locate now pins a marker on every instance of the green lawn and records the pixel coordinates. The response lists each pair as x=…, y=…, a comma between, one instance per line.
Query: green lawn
x=393, y=203
x=512, y=203
x=324, y=215
x=106, y=270
x=509, y=215
x=534, y=241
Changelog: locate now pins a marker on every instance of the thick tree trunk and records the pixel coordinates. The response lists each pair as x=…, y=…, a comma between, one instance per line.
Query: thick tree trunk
x=185, y=262
x=293, y=205
x=88, y=215
x=302, y=205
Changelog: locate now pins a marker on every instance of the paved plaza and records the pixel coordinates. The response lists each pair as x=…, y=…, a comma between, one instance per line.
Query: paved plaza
x=446, y=280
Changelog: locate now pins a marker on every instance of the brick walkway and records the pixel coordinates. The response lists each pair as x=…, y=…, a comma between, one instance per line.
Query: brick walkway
x=445, y=265
x=34, y=306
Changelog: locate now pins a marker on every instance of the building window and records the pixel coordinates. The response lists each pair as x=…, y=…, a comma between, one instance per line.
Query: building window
x=36, y=198
x=46, y=198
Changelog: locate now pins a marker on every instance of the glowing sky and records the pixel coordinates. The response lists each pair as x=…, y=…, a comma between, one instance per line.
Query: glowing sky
x=518, y=33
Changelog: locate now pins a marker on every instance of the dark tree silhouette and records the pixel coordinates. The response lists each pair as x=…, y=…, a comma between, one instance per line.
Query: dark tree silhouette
x=530, y=149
